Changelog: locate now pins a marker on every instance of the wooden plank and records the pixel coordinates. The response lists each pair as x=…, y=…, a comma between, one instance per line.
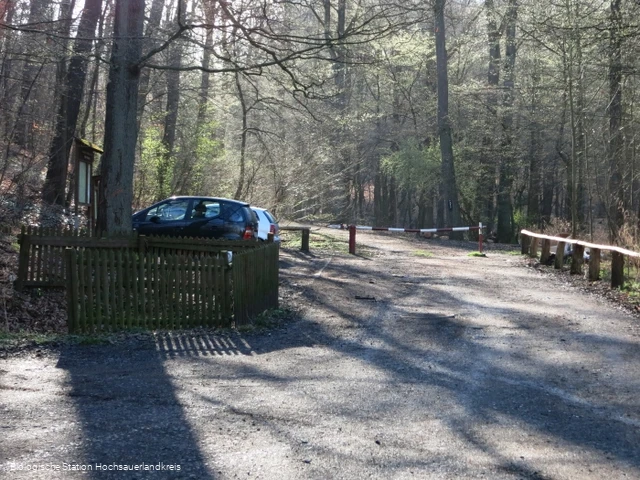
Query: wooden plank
x=106, y=313
x=114, y=298
x=132, y=286
x=71, y=297
x=23, y=261
x=82, y=241
x=90, y=288
x=122, y=292
x=305, y=240
x=188, y=290
x=80, y=268
x=217, y=268
x=199, y=298
x=98, y=295
x=594, y=264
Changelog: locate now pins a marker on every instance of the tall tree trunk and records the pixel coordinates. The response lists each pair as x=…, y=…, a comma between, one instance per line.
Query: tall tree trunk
x=95, y=75
x=153, y=25
x=533, y=203
x=486, y=185
x=505, y=207
x=616, y=198
x=32, y=67
x=6, y=70
x=450, y=188
x=168, y=167
x=56, y=180
x=548, y=187
x=243, y=137
x=121, y=128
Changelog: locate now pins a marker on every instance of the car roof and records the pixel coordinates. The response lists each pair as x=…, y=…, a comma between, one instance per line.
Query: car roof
x=215, y=199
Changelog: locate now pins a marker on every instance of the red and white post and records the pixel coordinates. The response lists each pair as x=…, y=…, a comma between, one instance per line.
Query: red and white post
x=352, y=239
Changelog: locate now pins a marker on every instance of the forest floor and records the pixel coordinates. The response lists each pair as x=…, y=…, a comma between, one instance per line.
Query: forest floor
x=412, y=359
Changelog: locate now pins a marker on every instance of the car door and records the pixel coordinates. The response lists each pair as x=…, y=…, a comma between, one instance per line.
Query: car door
x=165, y=218
x=204, y=219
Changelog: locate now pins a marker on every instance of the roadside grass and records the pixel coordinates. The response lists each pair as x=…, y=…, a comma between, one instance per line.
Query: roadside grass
x=422, y=253
x=322, y=242
x=268, y=320
x=476, y=254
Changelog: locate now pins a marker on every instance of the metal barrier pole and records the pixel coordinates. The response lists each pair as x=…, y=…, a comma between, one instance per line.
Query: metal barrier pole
x=480, y=238
x=352, y=239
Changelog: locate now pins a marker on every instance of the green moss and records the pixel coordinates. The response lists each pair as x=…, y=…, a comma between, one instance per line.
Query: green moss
x=422, y=253
x=476, y=254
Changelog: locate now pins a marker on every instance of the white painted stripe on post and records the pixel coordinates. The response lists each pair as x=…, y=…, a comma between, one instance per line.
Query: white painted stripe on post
x=396, y=229
x=428, y=230
x=358, y=227
x=460, y=229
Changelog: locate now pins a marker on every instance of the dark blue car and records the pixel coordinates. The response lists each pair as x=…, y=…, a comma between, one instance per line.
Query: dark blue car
x=210, y=217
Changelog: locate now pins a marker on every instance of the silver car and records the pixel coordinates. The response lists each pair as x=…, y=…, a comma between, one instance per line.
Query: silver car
x=266, y=224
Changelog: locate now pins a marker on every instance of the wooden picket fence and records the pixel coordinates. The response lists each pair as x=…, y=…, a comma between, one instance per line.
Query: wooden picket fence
x=255, y=282
x=111, y=290
x=151, y=282
x=115, y=289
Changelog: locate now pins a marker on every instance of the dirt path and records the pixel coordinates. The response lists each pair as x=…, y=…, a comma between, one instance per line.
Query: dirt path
x=412, y=361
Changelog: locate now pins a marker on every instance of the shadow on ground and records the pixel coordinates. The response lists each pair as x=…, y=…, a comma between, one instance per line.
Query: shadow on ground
x=130, y=414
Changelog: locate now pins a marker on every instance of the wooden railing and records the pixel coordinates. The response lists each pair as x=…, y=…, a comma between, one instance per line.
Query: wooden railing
x=530, y=242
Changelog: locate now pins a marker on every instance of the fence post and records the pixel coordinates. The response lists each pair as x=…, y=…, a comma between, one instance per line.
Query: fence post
x=525, y=239
x=577, y=259
x=594, y=264
x=559, y=256
x=305, y=240
x=546, y=251
x=23, y=260
x=270, y=237
x=533, y=248
x=352, y=239
x=480, y=237
x=617, y=269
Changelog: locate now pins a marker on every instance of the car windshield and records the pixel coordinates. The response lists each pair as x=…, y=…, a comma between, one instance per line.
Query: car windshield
x=170, y=210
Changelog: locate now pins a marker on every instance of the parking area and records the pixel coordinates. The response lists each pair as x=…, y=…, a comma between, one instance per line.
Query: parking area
x=413, y=360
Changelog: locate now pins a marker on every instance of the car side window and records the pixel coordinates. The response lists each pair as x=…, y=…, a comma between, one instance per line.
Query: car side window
x=270, y=217
x=205, y=209
x=169, y=210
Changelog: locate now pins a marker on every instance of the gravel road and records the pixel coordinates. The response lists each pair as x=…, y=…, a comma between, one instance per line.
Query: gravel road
x=413, y=360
